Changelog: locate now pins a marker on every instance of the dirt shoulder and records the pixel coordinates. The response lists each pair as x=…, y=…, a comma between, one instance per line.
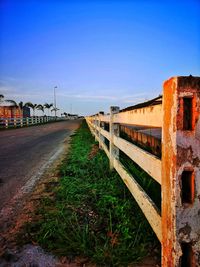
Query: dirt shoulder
x=18, y=214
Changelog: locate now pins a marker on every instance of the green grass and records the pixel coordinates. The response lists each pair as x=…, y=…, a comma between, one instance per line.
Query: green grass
x=93, y=214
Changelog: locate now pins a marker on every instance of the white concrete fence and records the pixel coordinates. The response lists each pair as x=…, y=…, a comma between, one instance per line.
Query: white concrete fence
x=21, y=122
x=177, y=226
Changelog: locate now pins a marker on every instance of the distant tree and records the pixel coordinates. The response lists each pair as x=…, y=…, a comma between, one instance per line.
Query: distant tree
x=55, y=109
x=15, y=104
x=31, y=105
x=21, y=105
x=40, y=107
x=48, y=106
x=1, y=98
x=12, y=102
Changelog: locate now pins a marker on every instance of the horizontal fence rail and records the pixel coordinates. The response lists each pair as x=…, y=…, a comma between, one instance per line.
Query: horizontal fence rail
x=162, y=137
x=22, y=122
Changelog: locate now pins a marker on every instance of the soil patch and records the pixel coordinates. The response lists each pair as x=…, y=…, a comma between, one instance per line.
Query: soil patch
x=94, y=151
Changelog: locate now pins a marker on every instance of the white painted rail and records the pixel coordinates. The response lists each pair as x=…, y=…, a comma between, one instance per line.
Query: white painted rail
x=144, y=201
x=148, y=162
x=22, y=122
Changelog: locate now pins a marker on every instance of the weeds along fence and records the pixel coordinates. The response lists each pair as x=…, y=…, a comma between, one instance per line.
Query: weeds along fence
x=21, y=122
x=162, y=136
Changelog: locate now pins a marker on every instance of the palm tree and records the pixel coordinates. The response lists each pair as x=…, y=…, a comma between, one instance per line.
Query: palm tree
x=40, y=107
x=21, y=105
x=31, y=105
x=48, y=106
x=1, y=98
x=14, y=104
x=55, y=109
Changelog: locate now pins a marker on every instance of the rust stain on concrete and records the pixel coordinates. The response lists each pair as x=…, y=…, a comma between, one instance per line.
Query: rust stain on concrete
x=181, y=153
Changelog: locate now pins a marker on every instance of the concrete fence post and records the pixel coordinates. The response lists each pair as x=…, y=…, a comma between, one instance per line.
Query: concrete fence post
x=91, y=122
x=98, y=128
x=6, y=123
x=27, y=121
x=101, y=125
x=21, y=122
x=181, y=172
x=114, y=130
x=15, y=123
x=95, y=126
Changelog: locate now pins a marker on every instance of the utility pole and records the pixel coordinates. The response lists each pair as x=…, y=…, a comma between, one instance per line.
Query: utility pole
x=71, y=108
x=55, y=99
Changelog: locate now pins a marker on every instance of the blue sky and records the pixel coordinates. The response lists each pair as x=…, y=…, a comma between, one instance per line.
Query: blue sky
x=98, y=53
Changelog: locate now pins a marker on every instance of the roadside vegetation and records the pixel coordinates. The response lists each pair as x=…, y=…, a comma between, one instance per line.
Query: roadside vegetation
x=91, y=214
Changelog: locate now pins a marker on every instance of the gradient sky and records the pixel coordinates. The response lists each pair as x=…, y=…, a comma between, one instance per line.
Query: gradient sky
x=98, y=53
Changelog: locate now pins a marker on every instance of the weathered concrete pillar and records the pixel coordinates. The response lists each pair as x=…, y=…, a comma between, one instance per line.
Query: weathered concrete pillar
x=114, y=130
x=27, y=121
x=21, y=122
x=181, y=172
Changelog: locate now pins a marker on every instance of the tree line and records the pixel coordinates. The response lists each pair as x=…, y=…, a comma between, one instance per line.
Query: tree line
x=34, y=107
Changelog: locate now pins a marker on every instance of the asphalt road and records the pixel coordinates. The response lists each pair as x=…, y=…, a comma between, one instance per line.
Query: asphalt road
x=26, y=152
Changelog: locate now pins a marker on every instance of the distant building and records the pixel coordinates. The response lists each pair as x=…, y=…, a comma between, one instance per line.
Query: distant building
x=71, y=116
x=26, y=112
x=9, y=111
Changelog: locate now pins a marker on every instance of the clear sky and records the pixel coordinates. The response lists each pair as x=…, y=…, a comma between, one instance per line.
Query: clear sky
x=98, y=53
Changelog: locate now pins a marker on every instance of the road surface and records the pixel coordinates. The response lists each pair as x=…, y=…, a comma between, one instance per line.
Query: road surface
x=25, y=154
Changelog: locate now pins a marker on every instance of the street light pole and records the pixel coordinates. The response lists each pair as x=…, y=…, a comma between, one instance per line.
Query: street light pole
x=55, y=99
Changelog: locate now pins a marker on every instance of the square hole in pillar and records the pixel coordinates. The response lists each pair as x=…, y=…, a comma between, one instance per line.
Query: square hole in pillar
x=187, y=187
x=187, y=113
x=187, y=258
